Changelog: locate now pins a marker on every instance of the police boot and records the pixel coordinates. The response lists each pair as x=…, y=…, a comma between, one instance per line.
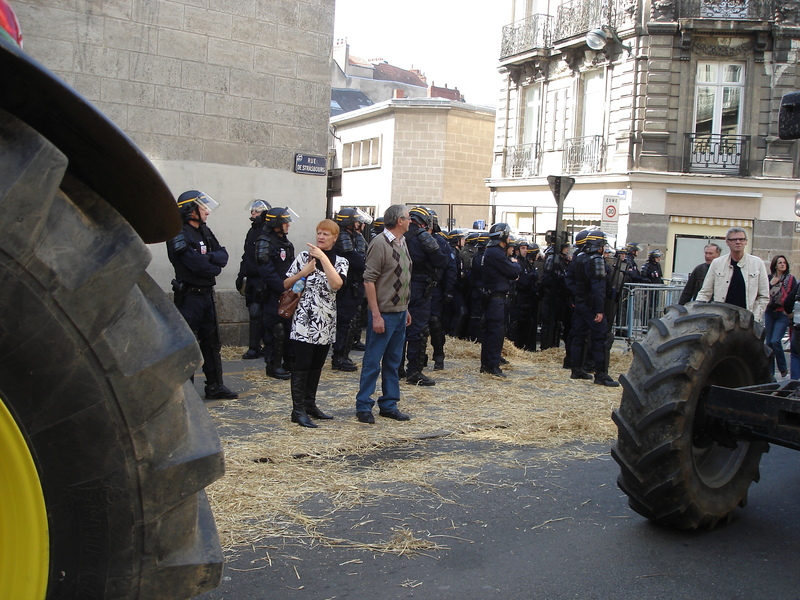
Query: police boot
x=299, y=415
x=437, y=342
x=217, y=391
x=340, y=362
x=345, y=364
x=605, y=379
x=415, y=376
x=312, y=382
x=580, y=374
x=254, y=339
x=273, y=365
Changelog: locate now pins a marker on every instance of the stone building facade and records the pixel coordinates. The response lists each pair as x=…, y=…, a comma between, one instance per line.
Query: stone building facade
x=221, y=95
x=670, y=106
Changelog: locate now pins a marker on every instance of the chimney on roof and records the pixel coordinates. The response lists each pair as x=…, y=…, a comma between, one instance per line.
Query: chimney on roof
x=341, y=54
x=398, y=93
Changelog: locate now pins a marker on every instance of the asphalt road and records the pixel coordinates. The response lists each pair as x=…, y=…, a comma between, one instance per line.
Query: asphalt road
x=558, y=529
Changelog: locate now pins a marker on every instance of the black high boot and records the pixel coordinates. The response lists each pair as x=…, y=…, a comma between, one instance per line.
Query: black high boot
x=312, y=382
x=340, y=362
x=274, y=364
x=254, y=338
x=437, y=341
x=299, y=415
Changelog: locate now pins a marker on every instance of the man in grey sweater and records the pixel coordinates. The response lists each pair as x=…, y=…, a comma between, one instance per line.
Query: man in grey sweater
x=387, y=285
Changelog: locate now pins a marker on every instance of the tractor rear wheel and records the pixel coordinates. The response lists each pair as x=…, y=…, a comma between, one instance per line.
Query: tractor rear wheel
x=105, y=446
x=670, y=469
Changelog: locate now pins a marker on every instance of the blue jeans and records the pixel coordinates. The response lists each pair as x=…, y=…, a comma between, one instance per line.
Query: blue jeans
x=383, y=355
x=795, y=354
x=776, y=323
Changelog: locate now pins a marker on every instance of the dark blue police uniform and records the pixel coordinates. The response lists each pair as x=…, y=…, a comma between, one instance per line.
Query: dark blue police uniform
x=274, y=255
x=198, y=258
x=590, y=287
x=498, y=272
x=427, y=260
x=352, y=246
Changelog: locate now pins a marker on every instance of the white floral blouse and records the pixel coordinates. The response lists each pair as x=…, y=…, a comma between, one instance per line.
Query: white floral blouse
x=314, y=320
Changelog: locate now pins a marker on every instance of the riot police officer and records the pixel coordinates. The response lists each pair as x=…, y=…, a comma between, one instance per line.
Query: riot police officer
x=442, y=294
x=555, y=308
x=274, y=255
x=198, y=258
x=376, y=229
x=522, y=322
x=249, y=283
x=476, y=242
x=352, y=246
x=631, y=269
x=651, y=270
x=455, y=319
x=428, y=260
x=590, y=286
x=499, y=271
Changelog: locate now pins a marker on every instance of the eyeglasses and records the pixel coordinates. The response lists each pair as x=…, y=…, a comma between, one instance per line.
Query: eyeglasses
x=403, y=218
x=737, y=240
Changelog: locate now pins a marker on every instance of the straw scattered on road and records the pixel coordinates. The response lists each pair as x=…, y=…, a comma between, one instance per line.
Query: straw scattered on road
x=286, y=483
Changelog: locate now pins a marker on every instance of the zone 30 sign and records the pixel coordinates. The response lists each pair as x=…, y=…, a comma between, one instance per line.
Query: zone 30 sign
x=610, y=216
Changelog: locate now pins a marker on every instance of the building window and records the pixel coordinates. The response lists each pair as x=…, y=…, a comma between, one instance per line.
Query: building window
x=716, y=144
x=594, y=103
x=363, y=154
x=718, y=104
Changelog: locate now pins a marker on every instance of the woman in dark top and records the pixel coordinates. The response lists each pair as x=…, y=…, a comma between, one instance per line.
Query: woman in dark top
x=776, y=320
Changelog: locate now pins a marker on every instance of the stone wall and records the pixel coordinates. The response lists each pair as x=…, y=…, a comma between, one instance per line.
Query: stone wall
x=221, y=95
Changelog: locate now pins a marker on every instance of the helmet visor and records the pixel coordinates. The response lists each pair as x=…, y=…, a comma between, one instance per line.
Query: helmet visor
x=207, y=202
x=363, y=217
x=258, y=206
x=201, y=199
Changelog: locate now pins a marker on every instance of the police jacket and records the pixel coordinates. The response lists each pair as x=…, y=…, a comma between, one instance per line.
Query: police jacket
x=249, y=267
x=274, y=255
x=651, y=272
x=197, y=256
x=426, y=256
x=553, y=276
x=475, y=272
x=450, y=274
x=526, y=284
x=499, y=271
x=632, y=271
x=352, y=246
x=590, y=281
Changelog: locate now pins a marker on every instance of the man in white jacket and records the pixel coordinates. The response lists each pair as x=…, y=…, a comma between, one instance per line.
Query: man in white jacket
x=737, y=278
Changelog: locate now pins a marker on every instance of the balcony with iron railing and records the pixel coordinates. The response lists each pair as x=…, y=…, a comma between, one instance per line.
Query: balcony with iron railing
x=526, y=35
x=752, y=10
x=576, y=17
x=716, y=154
x=522, y=161
x=572, y=18
x=583, y=155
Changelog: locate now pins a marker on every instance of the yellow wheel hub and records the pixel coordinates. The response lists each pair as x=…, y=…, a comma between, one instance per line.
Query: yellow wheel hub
x=24, y=555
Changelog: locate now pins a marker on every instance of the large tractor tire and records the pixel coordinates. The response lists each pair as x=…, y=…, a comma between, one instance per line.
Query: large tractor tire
x=105, y=448
x=670, y=467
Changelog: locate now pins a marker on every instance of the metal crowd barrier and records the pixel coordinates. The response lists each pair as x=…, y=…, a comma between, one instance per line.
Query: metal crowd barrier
x=641, y=302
